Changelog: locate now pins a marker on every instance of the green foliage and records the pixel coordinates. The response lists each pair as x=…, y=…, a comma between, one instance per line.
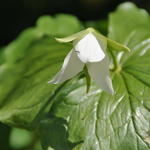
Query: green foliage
x=65, y=116
x=24, y=89
x=30, y=62
x=4, y=137
x=20, y=138
x=60, y=25
x=126, y=20
x=1, y=56
x=101, y=26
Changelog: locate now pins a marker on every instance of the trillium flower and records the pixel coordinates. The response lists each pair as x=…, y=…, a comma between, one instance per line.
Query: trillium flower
x=89, y=49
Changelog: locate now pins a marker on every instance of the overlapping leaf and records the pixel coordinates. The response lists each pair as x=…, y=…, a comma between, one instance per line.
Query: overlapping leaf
x=76, y=120
x=29, y=62
x=99, y=121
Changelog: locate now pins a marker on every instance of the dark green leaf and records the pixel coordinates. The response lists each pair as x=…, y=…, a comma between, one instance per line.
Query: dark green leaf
x=54, y=134
x=24, y=88
x=4, y=136
x=29, y=62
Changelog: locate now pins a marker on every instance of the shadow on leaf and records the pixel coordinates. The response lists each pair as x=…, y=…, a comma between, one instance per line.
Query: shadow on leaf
x=53, y=134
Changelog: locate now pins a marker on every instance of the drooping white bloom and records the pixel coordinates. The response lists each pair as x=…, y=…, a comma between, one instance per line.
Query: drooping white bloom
x=88, y=49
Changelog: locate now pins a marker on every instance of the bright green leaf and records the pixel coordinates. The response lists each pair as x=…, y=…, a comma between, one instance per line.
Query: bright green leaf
x=112, y=45
x=68, y=117
x=125, y=20
x=99, y=121
x=20, y=138
x=62, y=25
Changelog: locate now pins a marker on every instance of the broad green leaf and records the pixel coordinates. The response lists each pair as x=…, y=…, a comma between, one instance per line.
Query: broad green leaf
x=29, y=62
x=67, y=117
x=62, y=24
x=24, y=89
x=125, y=20
x=97, y=120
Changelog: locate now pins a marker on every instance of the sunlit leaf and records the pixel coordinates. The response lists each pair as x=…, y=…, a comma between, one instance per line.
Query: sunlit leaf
x=65, y=116
x=99, y=121
x=125, y=20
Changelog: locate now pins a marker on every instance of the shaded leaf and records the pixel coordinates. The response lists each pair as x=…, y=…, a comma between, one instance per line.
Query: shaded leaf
x=29, y=62
x=24, y=89
x=53, y=131
x=4, y=136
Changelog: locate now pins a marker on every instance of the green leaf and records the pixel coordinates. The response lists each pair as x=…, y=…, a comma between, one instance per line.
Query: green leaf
x=29, y=62
x=99, y=121
x=24, y=89
x=53, y=134
x=100, y=25
x=4, y=136
x=125, y=20
x=62, y=24
x=113, y=45
x=1, y=56
x=20, y=138
x=67, y=117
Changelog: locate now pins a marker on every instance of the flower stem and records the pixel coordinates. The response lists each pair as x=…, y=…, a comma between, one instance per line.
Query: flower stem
x=88, y=79
x=116, y=66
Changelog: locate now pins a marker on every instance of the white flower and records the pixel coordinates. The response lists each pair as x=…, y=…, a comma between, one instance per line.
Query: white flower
x=89, y=48
x=91, y=52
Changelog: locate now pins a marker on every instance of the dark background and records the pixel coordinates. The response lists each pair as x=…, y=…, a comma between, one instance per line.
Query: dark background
x=19, y=14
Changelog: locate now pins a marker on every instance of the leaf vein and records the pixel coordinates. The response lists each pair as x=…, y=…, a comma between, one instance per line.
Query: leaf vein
x=132, y=115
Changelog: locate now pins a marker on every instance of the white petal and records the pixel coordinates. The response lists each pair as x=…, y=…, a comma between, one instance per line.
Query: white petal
x=88, y=49
x=99, y=72
x=71, y=66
